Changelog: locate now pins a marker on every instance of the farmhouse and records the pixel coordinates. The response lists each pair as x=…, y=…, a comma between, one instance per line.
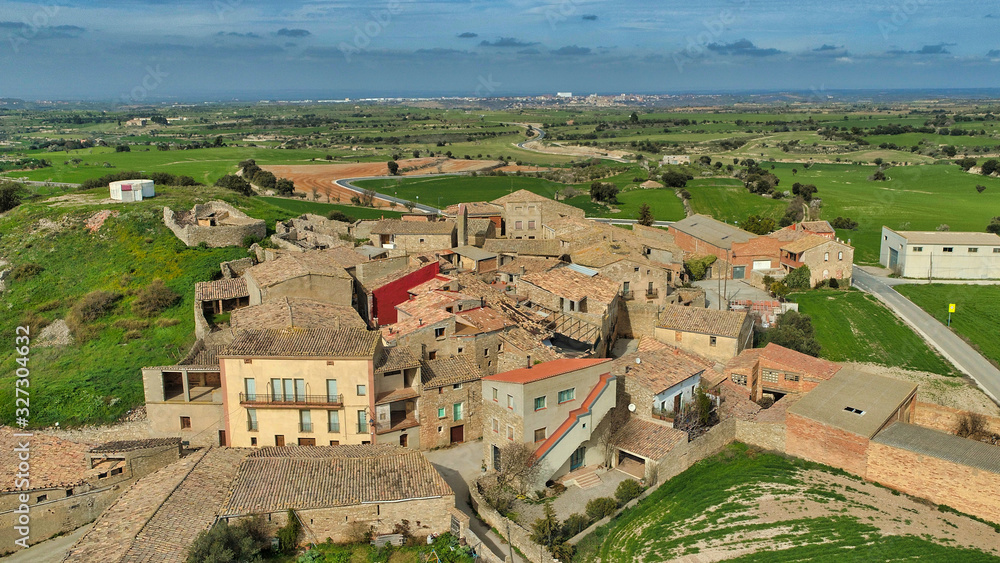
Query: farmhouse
x=777, y=370
x=941, y=254
x=554, y=407
x=700, y=235
x=825, y=257
x=717, y=335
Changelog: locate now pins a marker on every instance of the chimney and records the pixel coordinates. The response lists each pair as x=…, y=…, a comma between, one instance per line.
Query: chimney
x=420, y=322
x=522, y=269
x=463, y=225
x=482, y=302
x=529, y=361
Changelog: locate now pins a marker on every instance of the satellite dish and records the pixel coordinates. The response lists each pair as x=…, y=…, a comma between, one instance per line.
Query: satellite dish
x=631, y=407
x=638, y=360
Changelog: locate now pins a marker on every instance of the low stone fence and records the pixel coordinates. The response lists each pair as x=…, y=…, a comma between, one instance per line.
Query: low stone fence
x=517, y=535
x=945, y=419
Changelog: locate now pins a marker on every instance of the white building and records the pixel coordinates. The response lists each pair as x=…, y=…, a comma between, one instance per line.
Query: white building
x=676, y=159
x=564, y=94
x=941, y=254
x=132, y=190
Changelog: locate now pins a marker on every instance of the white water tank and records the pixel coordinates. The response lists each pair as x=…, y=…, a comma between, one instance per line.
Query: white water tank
x=132, y=190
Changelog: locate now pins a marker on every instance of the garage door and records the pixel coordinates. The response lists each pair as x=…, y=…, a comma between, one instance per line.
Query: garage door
x=761, y=264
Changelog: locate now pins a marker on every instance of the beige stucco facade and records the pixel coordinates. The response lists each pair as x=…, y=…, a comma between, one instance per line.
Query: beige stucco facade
x=337, y=290
x=714, y=347
x=185, y=401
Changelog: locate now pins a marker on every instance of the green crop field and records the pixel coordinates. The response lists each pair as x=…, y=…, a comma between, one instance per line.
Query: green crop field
x=97, y=378
x=977, y=311
x=299, y=206
x=854, y=326
x=712, y=511
x=447, y=190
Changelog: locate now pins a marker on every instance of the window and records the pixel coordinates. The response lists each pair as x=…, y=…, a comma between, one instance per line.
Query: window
x=854, y=410
x=456, y=386
x=253, y=440
x=362, y=390
x=539, y=434
x=973, y=249
x=840, y=256
x=636, y=269
x=510, y=432
x=252, y=420
x=185, y=422
x=510, y=402
x=362, y=422
x=250, y=387
x=42, y=498
x=333, y=421
x=439, y=332
x=279, y=440
x=539, y=403
x=307, y=441
x=494, y=394
x=567, y=395
x=948, y=249
x=791, y=377
x=116, y=471
x=331, y=391
x=496, y=426
x=531, y=225
x=996, y=250
x=739, y=379
x=456, y=411
x=712, y=341
x=486, y=352
x=918, y=249
x=288, y=389
x=441, y=412
x=518, y=225
x=826, y=256
x=500, y=347
x=432, y=355
x=770, y=376
x=305, y=421
x=460, y=349
x=334, y=442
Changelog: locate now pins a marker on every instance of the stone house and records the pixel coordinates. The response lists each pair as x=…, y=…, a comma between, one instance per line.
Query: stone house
x=834, y=423
x=478, y=210
x=554, y=407
x=295, y=312
x=525, y=213
x=700, y=235
x=186, y=400
x=216, y=298
x=413, y=237
x=477, y=260
x=642, y=280
x=827, y=258
x=659, y=379
x=351, y=489
x=641, y=444
x=514, y=268
x=450, y=402
x=215, y=223
x=316, y=275
x=69, y=483
x=716, y=335
x=778, y=371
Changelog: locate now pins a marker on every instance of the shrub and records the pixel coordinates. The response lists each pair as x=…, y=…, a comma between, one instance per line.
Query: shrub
x=970, y=425
x=223, y=543
x=980, y=188
x=337, y=215
x=766, y=401
x=574, y=524
x=844, y=223
x=25, y=271
x=562, y=551
x=288, y=535
x=601, y=507
x=627, y=490
x=11, y=195
x=834, y=284
x=94, y=305
x=284, y=186
x=235, y=183
x=697, y=267
x=994, y=226
x=798, y=278
x=154, y=298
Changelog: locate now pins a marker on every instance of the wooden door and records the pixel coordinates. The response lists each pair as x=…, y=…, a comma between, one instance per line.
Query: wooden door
x=458, y=434
x=279, y=440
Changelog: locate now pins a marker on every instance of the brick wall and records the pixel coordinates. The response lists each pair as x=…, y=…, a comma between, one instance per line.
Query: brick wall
x=961, y=487
x=811, y=440
x=945, y=419
x=766, y=436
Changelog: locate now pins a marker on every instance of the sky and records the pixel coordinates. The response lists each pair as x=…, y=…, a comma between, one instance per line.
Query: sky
x=154, y=50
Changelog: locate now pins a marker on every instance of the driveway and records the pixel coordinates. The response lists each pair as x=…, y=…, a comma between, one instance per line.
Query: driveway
x=460, y=465
x=953, y=348
x=734, y=289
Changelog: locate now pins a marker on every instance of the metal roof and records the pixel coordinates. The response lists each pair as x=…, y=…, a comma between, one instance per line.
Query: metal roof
x=941, y=445
x=948, y=237
x=712, y=231
x=582, y=269
x=854, y=401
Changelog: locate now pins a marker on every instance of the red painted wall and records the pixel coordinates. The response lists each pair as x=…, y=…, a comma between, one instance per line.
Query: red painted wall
x=385, y=298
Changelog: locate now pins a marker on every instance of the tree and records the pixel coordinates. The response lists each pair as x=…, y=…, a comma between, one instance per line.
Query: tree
x=284, y=186
x=794, y=213
x=634, y=118
x=971, y=425
x=123, y=148
x=795, y=171
x=393, y=167
x=518, y=467
x=337, y=215
x=878, y=176
x=804, y=190
x=574, y=524
x=759, y=225
x=416, y=154
x=235, y=183
x=546, y=530
x=218, y=142
x=675, y=179
x=994, y=226
x=980, y=188
x=11, y=194
x=223, y=543
x=989, y=167
x=604, y=192
x=645, y=215
x=265, y=179
x=367, y=198
x=794, y=331
x=966, y=163
x=799, y=278
x=844, y=223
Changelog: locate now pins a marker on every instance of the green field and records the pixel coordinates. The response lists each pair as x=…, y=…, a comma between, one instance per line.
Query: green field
x=447, y=190
x=97, y=379
x=853, y=326
x=977, y=311
x=712, y=505
x=300, y=206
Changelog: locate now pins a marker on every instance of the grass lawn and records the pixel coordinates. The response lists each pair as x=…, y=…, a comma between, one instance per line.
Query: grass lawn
x=977, y=311
x=711, y=505
x=97, y=379
x=444, y=549
x=853, y=326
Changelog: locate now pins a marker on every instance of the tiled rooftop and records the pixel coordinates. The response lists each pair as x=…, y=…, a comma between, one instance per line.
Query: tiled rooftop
x=396, y=358
x=295, y=312
x=484, y=319
x=531, y=265
x=132, y=445
x=226, y=288
x=714, y=232
x=804, y=243
x=400, y=227
x=565, y=282
x=786, y=358
x=525, y=247
x=660, y=366
x=475, y=208
x=292, y=265
x=648, y=439
x=398, y=394
x=54, y=462
x=449, y=371
x=319, y=343
x=347, y=476
x=703, y=320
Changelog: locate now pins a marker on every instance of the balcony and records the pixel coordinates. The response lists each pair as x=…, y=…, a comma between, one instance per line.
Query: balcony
x=305, y=427
x=652, y=293
x=291, y=402
x=791, y=262
x=628, y=295
x=253, y=426
x=399, y=420
x=333, y=428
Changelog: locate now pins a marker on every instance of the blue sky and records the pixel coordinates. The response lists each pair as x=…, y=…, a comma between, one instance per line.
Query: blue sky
x=149, y=50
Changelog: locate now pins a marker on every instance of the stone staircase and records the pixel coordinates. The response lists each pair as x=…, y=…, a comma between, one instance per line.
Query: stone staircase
x=588, y=481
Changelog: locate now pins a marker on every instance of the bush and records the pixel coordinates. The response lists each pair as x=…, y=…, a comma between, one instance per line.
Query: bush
x=154, y=298
x=844, y=223
x=288, y=535
x=766, y=401
x=834, y=284
x=697, y=267
x=674, y=179
x=546, y=530
x=574, y=524
x=994, y=226
x=970, y=425
x=93, y=306
x=562, y=551
x=601, y=507
x=284, y=186
x=627, y=490
x=235, y=183
x=798, y=278
x=223, y=543
x=337, y=215
x=25, y=271
x=793, y=331
x=11, y=194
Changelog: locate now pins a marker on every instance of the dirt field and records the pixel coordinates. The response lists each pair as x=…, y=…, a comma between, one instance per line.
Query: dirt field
x=320, y=177
x=574, y=150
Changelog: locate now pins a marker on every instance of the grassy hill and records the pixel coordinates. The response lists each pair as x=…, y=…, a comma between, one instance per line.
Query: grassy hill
x=977, y=312
x=97, y=379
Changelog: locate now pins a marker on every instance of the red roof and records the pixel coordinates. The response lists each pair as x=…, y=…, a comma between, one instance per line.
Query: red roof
x=546, y=370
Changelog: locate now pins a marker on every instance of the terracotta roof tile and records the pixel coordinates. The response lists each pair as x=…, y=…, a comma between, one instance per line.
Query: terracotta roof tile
x=804, y=243
x=531, y=264
x=132, y=445
x=546, y=370
x=396, y=358
x=296, y=312
x=400, y=227
x=526, y=247
x=703, y=320
x=476, y=208
x=292, y=265
x=818, y=226
x=228, y=288
x=449, y=371
x=648, y=439
x=661, y=366
x=486, y=319
x=54, y=462
x=318, y=343
x=573, y=285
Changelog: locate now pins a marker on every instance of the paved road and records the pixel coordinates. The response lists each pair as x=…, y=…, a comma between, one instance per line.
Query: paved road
x=48, y=551
x=611, y=221
x=459, y=465
x=953, y=348
x=346, y=183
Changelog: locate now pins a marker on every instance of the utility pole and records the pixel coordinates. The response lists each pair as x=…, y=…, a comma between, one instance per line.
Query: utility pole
x=725, y=283
x=718, y=289
x=930, y=270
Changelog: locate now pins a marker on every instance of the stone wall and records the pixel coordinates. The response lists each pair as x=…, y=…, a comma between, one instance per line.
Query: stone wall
x=431, y=399
x=369, y=271
x=945, y=419
x=638, y=319
x=518, y=536
x=185, y=226
x=766, y=436
x=54, y=516
x=504, y=417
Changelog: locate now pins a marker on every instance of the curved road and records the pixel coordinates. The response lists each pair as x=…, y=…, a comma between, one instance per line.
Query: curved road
x=541, y=135
x=953, y=348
